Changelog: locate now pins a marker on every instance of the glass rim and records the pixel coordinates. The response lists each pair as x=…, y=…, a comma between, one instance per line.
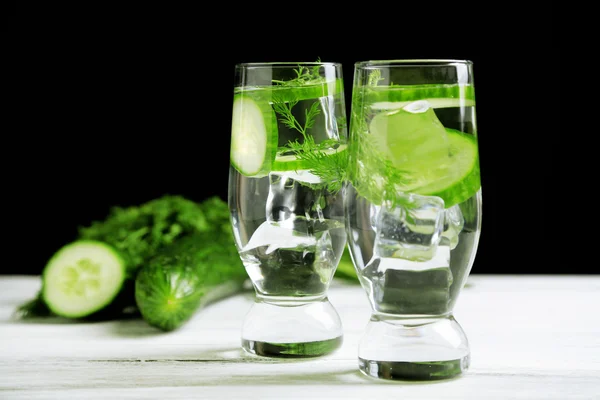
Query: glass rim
x=413, y=62
x=265, y=64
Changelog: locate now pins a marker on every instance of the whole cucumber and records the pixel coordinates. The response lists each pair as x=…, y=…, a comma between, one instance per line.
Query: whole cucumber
x=193, y=272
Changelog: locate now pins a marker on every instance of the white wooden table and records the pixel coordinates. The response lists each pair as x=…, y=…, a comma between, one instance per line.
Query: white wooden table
x=531, y=338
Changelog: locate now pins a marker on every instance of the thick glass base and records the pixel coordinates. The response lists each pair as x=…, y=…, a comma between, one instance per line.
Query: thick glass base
x=291, y=350
x=413, y=349
x=289, y=329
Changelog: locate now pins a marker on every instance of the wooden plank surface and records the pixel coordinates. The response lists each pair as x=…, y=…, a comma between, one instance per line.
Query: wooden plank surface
x=531, y=338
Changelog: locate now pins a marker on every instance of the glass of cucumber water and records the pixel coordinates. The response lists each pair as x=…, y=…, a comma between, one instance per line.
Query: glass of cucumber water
x=413, y=212
x=288, y=162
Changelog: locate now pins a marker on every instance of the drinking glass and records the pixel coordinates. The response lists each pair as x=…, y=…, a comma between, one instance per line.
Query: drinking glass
x=287, y=165
x=413, y=212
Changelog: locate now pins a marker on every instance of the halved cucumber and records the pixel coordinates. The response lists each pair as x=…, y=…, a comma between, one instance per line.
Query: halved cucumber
x=82, y=277
x=394, y=97
x=253, y=135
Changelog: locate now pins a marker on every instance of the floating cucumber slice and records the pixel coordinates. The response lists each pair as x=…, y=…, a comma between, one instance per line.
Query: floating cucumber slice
x=458, y=180
x=412, y=139
x=285, y=93
x=442, y=102
x=439, y=96
x=291, y=162
x=253, y=136
x=431, y=159
x=455, y=178
x=82, y=278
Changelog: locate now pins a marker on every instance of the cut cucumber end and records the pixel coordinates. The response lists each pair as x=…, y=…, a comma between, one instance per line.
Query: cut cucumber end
x=253, y=136
x=163, y=293
x=82, y=278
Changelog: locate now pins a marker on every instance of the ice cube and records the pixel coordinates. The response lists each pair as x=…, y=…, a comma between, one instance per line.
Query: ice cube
x=399, y=286
x=411, y=229
x=453, y=225
x=291, y=195
x=274, y=236
x=415, y=292
x=324, y=256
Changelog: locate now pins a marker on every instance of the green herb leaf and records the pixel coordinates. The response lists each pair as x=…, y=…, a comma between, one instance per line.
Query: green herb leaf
x=331, y=168
x=375, y=177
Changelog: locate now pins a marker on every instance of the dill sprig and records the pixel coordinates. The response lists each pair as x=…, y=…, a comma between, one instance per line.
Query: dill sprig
x=374, y=77
x=284, y=109
x=304, y=76
x=330, y=167
x=369, y=171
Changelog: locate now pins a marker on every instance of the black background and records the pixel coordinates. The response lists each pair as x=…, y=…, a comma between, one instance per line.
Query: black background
x=110, y=105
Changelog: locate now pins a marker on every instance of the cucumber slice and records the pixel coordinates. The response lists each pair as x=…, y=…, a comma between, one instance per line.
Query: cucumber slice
x=442, y=102
x=291, y=162
x=82, y=277
x=253, y=136
x=458, y=180
x=283, y=93
x=432, y=160
x=394, y=97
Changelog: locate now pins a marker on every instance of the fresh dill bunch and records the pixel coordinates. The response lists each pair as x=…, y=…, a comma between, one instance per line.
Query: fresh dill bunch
x=141, y=231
